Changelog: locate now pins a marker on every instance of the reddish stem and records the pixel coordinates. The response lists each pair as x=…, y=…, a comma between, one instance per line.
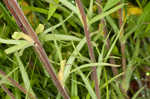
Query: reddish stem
x=7, y=91
x=24, y=25
x=90, y=48
x=122, y=44
x=13, y=82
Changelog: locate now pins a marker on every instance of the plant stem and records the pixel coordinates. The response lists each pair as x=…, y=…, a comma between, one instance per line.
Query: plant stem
x=90, y=48
x=24, y=25
x=13, y=82
x=7, y=91
x=122, y=44
x=112, y=61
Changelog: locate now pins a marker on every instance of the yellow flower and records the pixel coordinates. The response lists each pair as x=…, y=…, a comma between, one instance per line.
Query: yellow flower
x=131, y=10
x=134, y=11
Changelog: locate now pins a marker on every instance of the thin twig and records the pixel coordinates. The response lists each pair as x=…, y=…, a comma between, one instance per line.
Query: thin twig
x=7, y=91
x=122, y=44
x=112, y=61
x=13, y=82
x=90, y=48
x=24, y=25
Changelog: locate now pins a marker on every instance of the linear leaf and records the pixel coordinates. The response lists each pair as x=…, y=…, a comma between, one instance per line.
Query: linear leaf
x=49, y=37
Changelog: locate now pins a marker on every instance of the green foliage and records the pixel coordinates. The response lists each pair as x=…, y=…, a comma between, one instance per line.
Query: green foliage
x=60, y=30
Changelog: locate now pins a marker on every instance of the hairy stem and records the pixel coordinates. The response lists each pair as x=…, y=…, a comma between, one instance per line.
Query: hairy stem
x=90, y=48
x=122, y=44
x=24, y=25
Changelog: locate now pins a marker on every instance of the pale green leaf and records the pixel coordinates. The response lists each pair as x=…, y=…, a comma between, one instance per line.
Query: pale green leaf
x=49, y=37
x=18, y=47
x=104, y=14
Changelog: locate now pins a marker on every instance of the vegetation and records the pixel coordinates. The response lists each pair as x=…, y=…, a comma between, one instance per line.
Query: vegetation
x=95, y=49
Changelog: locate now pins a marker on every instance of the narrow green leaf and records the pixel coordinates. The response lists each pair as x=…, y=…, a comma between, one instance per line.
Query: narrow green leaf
x=74, y=87
x=92, y=65
x=111, y=80
x=104, y=14
x=87, y=85
x=52, y=8
x=71, y=59
x=18, y=47
x=110, y=4
x=138, y=92
x=35, y=9
x=8, y=41
x=70, y=6
x=49, y=37
x=57, y=25
x=24, y=75
x=90, y=11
